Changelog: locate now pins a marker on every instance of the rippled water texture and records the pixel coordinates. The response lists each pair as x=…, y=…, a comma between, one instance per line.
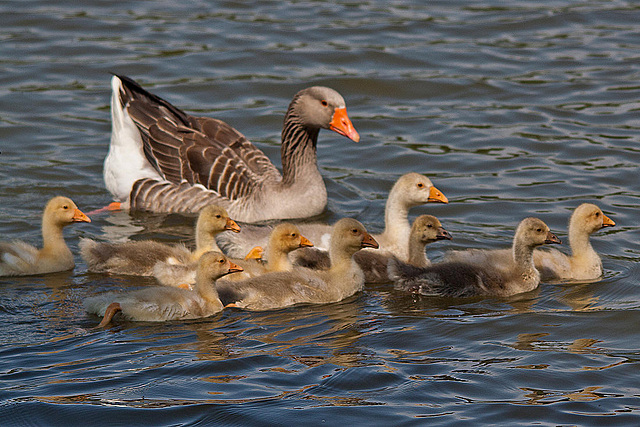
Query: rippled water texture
x=513, y=109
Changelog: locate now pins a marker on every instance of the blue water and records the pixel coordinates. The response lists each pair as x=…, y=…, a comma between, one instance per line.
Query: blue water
x=512, y=108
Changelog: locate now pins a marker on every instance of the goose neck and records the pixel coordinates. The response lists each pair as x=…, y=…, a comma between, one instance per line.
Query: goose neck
x=523, y=257
x=277, y=260
x=580, y=243
x=205, y=241
x=417, y=255
x=396, y=218
x=206, y=287
x=341, y=258
x=53, y=238
x=299, y=157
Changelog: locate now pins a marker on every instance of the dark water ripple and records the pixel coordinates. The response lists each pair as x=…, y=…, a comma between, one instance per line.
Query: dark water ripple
x=512, y=108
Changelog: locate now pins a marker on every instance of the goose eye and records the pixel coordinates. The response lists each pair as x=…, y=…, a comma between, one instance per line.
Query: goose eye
x=354, y=231
x=221, y=261
x=294, y=235
x=420, y=185
x=324, y=103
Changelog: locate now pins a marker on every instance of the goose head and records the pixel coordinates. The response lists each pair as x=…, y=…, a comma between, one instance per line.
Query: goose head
x=287, y=237
x=62, y=211
x=427, y=229
x=349, y=236
x=589, y=218
x=321, y=107
x=213, y=265
x=534, y=232
x=215, y=219
x=415, y=189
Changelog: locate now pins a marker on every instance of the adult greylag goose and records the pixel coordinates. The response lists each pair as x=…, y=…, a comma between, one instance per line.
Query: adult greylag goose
x=162, y=303
x=19, y=258
x=460, y=279
x=301, y=285
x=284, y=238
x=426, y=229
x=410, y=190
x=584, y=263
x=138, y=258
x=164, y=160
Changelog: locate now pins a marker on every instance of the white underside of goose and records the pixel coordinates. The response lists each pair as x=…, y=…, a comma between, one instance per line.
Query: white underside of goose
x=125, y=163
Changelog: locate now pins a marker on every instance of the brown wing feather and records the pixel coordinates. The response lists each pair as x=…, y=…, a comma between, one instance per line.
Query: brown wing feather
x=161, y=133
x=220, y=170
x=165, y=140
x=255, y=159
x=195, y=149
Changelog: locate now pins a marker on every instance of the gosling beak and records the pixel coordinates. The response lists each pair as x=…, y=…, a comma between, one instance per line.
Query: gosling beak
x=340, y=123
x=369, y=242
x=79, y=216
x=443, y=234
x=552, y=238
x=436, y=195
x=232, y=225
x=304, y=242
x=255, y=253
x=234, y=268
x=607, y=222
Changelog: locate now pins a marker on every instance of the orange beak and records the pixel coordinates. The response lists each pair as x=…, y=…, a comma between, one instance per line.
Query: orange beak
x=232, y=225
x=234, y=268
x=436, y=195
x=607, y=222
x=79, y=216
x=340, y=123
x=304, y=242
x=369, y=242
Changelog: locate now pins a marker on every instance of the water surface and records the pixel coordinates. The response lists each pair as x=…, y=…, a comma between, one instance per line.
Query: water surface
x=512, y=108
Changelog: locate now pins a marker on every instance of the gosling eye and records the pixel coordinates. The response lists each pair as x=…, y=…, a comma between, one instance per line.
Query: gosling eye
x=539, y=230
x=354, y=231
x=430, y=226
x=420, y=185
x=221, y=260
x=324, y=103
x=597, y=214
x=65, y=207
x=294, y=235
x=218, y=216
